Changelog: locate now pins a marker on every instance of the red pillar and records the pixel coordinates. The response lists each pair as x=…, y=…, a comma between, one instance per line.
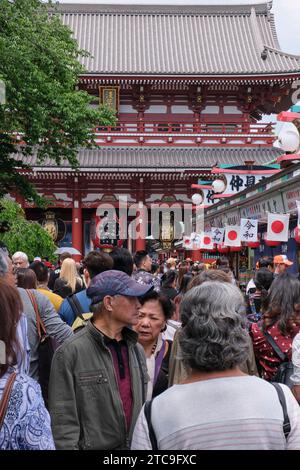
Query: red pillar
x=77, y=230
x=140, y=242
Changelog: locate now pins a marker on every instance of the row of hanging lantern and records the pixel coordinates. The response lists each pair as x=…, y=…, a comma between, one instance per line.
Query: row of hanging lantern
x=222, y=248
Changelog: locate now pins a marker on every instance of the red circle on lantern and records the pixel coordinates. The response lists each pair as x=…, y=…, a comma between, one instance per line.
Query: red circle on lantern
x=206, y=240
x=232, y=235
x=277, y=226
x=186, y=242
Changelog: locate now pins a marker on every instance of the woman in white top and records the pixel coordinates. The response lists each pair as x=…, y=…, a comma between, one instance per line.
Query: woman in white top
x=218, y=406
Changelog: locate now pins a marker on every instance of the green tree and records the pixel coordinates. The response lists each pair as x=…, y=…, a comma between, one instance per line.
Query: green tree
x=18, y=234
x=43, y=112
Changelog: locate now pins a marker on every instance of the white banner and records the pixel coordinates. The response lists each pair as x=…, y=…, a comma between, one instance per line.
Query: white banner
x=278, y=227
x=249, y=230
x=232, y=235
x=217, y=234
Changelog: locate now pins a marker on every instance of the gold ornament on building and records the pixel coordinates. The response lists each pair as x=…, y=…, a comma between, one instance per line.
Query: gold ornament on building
x=50, y=225
x=110, y=96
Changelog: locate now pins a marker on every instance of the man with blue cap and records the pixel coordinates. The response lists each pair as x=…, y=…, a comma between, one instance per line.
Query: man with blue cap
x=99, y=378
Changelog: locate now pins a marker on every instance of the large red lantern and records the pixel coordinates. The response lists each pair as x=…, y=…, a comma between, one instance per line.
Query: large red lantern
x=297, y=234
x=272, y=243
x=222, y=248
x=235, y=249
x=253, y=245
x=210, y=250
x=100, y=237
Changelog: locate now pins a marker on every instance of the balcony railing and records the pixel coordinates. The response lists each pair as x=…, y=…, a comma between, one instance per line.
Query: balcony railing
x=185, y=134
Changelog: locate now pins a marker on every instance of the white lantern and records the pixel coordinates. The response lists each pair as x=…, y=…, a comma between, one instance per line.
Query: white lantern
x=289, y=139
x=197, y=199
x=218, y=186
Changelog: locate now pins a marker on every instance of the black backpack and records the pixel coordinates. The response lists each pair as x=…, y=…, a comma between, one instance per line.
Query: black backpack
x=285, y=369
x=81, y=317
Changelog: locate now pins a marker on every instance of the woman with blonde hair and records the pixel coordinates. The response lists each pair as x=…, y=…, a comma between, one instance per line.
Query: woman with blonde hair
x=68, y=282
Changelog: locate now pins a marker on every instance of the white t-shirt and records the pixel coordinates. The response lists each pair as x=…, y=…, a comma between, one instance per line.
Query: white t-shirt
x=250, y=285
x=172, y=327
x=295, y=378
x=234, y=413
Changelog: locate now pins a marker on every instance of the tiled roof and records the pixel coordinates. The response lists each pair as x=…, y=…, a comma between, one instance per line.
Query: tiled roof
x=162, y=39
x=159, y=158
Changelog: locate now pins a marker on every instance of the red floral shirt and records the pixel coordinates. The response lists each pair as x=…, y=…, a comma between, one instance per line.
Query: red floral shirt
x=264, y=352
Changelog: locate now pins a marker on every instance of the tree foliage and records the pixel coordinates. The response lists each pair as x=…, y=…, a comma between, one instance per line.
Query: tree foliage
x=19, y=234
x=40, y=67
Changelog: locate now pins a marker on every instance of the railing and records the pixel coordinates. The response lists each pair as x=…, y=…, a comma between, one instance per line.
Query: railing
x=178, y=133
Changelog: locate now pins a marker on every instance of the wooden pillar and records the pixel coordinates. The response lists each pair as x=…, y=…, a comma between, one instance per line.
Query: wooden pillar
x=77, y=222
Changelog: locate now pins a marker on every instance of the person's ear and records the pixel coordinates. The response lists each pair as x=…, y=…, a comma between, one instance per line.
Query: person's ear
x=107, y=302
x=86, y=276
x=164, y=328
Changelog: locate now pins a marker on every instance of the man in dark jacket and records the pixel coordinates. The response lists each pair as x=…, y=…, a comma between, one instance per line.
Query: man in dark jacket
x=98, y=379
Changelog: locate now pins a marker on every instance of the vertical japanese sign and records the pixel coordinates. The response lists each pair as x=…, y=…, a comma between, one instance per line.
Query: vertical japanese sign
x=217, y=235
x=109, y=95
x=248, y=230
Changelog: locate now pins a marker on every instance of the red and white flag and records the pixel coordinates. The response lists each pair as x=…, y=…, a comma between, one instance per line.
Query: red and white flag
x=278, y=227
x=188, y=243
x=232, y=235
x=206, y=242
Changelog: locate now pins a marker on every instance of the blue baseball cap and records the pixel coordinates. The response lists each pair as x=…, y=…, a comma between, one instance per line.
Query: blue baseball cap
x=114, y=282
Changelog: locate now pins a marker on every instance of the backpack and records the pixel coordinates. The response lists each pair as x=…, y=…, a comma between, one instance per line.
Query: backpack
x=81, y=317
x=286, y=368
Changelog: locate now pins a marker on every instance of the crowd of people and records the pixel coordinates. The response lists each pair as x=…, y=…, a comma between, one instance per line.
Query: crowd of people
x=148, y=356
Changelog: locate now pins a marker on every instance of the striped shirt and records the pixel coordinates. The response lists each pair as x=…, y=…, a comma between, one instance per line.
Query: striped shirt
x=234, y=413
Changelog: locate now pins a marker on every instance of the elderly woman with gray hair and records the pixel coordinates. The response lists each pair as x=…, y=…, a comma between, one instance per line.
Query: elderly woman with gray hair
x=217, y=406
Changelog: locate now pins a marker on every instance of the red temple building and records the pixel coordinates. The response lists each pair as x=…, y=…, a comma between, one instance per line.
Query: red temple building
x=190, y=85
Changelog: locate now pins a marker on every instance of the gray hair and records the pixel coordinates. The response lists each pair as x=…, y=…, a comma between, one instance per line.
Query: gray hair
x=213, y=338
x=20, y=254
x=3, y=263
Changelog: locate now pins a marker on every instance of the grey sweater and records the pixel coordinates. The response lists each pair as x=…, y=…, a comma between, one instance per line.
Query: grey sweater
x=55, y=327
